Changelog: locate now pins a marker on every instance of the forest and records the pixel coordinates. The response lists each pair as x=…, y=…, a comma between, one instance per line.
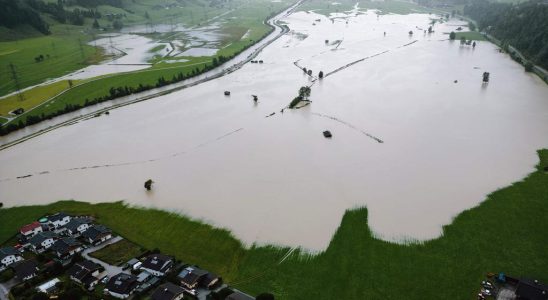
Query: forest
x=523, y=25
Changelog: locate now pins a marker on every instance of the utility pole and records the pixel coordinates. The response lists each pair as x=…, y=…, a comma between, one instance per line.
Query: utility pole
x=81, y=50
x=16, y=80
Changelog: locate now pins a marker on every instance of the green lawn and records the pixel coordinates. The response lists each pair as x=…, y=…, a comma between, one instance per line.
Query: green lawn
x=470, y=35
x=505, y=233
x=118, y=253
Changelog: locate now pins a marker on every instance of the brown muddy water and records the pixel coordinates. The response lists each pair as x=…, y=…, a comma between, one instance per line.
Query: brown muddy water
x=445, y=144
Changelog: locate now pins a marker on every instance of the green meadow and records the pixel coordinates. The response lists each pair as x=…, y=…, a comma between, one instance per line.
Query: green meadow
x=505, y=233
x=470, y=35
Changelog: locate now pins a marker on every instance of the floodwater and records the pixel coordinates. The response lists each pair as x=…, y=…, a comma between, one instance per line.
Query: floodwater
x=447, y=140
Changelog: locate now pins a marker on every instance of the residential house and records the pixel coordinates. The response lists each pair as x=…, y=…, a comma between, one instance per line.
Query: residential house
x=194, y=277
x=58, y=220
x=77, y=226
x=48, y=287
x=157, y=264
x=531, y=290
x=122, y=285
x=168, y=291
x=9, y=255
x=85, y=273
x=31, y=229
x=42, y=241
x=66, y=247
x=97, y=234
x=26, y=269
x=239, y=296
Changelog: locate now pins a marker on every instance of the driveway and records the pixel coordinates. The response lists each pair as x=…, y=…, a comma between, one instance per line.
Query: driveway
x=5, y=288
x=110, y=269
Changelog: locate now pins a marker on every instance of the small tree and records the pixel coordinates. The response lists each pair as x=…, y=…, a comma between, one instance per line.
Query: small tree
x=320, y=75
x=452, y=35
x=528, y=68
x=309, y=72
x=96, y=24
x=117, y=24
x=430, y=29
x=265, y=296
x=472, y=26
x=148, y=184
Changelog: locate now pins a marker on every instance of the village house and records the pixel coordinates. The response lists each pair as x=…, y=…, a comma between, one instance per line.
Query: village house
x=122, y=285
x=58, y=220
x=8, y=256
x=26, y=269
x=31, y=229
x=194, y=277
x=42, y=241
x=97, y=234
x=157, y=264
x=77, y=226
x=66, y=247
x=85, y=273
x=49, y=287
x=168, y=291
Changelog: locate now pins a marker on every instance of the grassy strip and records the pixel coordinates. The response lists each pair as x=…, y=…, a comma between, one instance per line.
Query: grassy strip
x=470, y=35
x=33, y=97
x=504, y=233
x=118, y=253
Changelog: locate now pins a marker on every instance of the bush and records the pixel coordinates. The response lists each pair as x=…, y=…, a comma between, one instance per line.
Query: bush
x=265, y=296
x=6, y=275
x=452, y=35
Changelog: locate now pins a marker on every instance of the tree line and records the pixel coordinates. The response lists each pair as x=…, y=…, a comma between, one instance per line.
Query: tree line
x=523, y=25
x=14, y=13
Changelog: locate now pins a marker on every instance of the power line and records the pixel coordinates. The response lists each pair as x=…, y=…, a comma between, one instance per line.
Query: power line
x=13, y=72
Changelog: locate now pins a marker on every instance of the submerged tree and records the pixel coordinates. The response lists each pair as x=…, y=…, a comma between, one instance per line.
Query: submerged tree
x=452, y=35
x=148, y=184
x=320, y=75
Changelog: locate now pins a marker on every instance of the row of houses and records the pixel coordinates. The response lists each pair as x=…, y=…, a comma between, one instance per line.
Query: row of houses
x=60, y=233
x=189, y=280
x=63, y=236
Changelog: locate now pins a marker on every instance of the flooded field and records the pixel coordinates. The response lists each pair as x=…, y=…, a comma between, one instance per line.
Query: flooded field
x=416, y=137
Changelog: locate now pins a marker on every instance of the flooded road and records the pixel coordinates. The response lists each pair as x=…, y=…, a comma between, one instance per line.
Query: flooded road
x=448, y=140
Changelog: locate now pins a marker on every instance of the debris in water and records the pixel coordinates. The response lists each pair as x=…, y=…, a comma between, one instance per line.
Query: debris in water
x=327, y=134
x=270, y=115
x=255, y=98
x=455, y=81
x=227, y=93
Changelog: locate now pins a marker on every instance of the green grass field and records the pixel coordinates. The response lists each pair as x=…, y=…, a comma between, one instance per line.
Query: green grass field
x=470, y=35
x=32, y=97
x=505, y=233
x=62, y=55
x=118, y=253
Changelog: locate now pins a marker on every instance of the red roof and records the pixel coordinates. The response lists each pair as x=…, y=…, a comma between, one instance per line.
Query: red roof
x=30, y=227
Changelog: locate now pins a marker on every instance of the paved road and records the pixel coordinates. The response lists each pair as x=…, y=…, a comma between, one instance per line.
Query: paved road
x=5, y=288
x=110, y=269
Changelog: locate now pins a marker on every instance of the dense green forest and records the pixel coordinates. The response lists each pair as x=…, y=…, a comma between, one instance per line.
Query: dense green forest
x=30, y=12
x=523, y=25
